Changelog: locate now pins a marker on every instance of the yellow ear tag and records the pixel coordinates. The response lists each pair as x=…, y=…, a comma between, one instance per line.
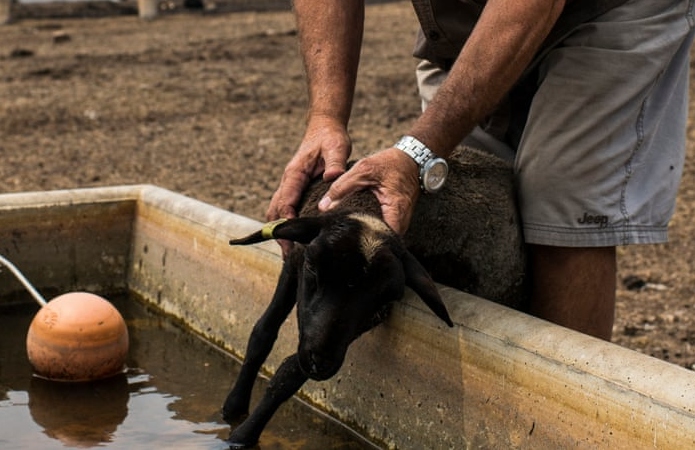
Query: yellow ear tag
x=268, y=228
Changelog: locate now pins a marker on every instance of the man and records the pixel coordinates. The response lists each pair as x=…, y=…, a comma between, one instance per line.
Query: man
x=589, y=96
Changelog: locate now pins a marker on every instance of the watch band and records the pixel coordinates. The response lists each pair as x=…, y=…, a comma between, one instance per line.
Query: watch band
x=433, y=169
x=415, y=149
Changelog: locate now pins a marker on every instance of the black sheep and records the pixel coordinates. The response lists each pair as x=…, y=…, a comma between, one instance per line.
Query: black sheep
x=347, y=267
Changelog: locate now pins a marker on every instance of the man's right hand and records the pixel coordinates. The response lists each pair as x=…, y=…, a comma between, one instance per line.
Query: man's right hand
x=330, y=38
x=324, y=150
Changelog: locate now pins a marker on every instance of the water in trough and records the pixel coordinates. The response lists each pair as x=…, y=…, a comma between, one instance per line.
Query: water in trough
x=169, y=397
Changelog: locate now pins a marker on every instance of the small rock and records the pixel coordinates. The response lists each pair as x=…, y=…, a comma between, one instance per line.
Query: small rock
x=667, y=318
x=60, y=37
x=91, y=114
x=634, y=283
x=21, y=53
x=656, y=286
x=631, y=330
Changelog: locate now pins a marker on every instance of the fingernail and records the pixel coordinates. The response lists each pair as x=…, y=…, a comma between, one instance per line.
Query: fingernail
x=325, y=203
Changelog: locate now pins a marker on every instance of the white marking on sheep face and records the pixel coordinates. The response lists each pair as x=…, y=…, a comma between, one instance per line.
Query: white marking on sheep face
x=372, y=234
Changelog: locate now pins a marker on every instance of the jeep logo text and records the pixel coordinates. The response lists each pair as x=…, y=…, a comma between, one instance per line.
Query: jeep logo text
x=588, y=219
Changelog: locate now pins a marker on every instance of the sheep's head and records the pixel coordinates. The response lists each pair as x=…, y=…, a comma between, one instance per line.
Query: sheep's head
x=350, y=268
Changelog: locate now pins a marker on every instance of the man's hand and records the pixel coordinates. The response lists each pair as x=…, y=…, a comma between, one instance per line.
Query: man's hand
x=330, y=37
x=391, y=175
x=325, y=149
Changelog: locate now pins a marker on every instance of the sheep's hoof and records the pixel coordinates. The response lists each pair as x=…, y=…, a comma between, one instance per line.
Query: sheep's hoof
x=235, y=444
x=244, y=436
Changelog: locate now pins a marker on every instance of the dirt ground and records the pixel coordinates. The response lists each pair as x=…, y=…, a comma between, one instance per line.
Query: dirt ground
x=211, y=104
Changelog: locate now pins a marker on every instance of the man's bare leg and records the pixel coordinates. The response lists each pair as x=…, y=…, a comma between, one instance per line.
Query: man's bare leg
x=575, y=287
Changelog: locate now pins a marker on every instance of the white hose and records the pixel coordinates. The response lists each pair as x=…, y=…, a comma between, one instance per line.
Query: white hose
x=22, y=279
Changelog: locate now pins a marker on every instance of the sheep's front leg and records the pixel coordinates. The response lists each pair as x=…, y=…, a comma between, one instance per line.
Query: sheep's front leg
x=261, y=342
x=286, y=381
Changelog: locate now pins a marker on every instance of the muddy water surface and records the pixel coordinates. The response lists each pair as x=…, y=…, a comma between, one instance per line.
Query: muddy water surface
x=169, y=397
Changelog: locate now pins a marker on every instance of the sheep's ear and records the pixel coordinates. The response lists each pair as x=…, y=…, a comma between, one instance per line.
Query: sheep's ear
x=302, y=230
x=417, y=278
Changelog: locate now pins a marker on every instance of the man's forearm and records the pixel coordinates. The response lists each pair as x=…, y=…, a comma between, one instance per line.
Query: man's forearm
x=500, y=47
x=330, y=34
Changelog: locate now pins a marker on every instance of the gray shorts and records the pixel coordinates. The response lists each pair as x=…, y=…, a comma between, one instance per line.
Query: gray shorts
x=601, y=156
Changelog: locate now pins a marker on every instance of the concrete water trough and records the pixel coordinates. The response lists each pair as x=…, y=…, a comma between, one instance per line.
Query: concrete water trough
x=498, y=379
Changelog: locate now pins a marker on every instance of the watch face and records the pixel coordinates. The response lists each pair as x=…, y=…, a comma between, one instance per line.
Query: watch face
x=434, y=174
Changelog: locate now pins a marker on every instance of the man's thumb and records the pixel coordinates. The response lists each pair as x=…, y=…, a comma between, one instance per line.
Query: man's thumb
x=334, y=168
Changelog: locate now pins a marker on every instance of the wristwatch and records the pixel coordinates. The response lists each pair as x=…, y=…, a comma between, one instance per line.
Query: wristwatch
x=433, y=169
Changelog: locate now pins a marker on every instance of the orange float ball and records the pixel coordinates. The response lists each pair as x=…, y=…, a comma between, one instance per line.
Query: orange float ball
x=77, y=336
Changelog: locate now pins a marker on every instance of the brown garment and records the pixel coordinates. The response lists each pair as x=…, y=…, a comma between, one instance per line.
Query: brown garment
x=445, y=27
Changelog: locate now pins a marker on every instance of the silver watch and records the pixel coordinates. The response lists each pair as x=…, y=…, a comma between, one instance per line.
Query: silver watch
x=433, y=169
